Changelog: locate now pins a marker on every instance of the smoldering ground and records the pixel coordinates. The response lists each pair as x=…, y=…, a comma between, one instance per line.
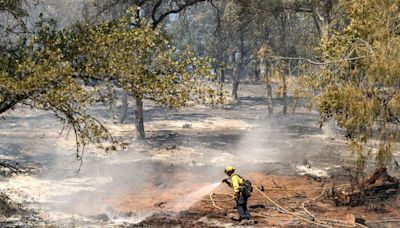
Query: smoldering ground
x=155, y=175
x=136, y=176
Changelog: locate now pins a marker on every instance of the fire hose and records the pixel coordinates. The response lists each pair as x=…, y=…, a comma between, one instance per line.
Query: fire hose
x=321, y=223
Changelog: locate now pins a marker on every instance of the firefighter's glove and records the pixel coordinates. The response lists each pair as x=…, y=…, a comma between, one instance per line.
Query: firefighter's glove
x=225, y=181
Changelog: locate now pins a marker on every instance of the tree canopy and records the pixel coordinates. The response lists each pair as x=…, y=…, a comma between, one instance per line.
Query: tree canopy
x=361, y=91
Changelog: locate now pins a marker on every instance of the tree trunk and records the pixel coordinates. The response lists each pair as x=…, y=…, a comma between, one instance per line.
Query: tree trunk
x=294, y=104
x=296, y=95
x=140, y=134
x=267, y=78
x=257, y=67
x=124, y=107
x=111, y=101
x=256, y=72
x=324, y=32
x=219, y=60
x=269, y=96
x=284, y=95
x=284, y=92
x=323, y=16
x=238, y=68
x=235, y=85
x=222, y=76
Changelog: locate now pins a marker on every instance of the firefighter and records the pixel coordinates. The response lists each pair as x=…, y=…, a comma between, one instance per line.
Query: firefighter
x=242, y=192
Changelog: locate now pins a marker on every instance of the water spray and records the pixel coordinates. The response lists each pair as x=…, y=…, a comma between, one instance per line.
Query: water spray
x=187, y=201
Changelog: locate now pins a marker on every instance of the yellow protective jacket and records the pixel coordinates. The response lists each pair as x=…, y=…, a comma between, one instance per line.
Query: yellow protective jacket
x=236, y=182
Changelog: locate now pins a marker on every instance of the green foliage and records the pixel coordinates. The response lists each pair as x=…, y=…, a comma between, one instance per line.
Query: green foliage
x=142, y=61
x=361, y=93
x=59, y=71
x=38, y=73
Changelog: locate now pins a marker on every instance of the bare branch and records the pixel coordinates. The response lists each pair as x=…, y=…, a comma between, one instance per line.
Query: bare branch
x=157, y=21
x=13, y=168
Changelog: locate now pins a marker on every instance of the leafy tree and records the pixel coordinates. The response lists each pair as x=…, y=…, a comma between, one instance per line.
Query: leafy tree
x=238, y=13
x=141, y=61
x=39, y=71
x=361, y=91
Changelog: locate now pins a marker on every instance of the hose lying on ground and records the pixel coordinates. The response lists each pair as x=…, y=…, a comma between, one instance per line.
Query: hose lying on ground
x=289, y=212
x=321, y=223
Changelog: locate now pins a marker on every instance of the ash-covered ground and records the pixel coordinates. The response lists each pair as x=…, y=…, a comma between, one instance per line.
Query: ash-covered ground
x=151, y=183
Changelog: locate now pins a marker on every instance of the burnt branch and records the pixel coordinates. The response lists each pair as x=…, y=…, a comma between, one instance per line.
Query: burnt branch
x=179, y=8
x=12, y=168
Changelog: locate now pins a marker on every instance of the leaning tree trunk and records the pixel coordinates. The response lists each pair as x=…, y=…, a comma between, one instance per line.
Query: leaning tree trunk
x=140, y=134
x=124, y=107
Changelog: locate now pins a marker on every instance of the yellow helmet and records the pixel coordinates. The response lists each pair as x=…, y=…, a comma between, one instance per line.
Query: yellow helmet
x=229, y=169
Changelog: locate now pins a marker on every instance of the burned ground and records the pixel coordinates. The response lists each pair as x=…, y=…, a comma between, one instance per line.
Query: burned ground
x=184, y=151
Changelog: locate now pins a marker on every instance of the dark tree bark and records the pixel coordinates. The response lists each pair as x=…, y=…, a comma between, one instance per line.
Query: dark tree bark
x=235, y=84
x=222, y=76
x=10, y=101
x=7, y=105
x=140, y=134
x=256, y=72
x=322, y=13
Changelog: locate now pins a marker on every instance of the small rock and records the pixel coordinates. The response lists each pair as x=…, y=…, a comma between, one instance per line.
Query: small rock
x=171, y=147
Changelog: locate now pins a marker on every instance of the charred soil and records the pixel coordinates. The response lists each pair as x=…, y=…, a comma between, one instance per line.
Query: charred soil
x=151, y=183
